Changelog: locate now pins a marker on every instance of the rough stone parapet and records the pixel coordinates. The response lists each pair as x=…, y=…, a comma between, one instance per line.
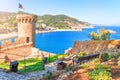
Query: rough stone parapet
x=8, y=44
x=110, y=46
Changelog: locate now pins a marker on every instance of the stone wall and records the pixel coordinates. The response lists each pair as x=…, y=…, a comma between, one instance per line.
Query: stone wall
x=38, y=53
x=26, y=26
x=110, y=46
x=7, y=44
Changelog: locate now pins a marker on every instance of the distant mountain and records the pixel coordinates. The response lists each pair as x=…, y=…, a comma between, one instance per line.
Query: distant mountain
x=46, y=22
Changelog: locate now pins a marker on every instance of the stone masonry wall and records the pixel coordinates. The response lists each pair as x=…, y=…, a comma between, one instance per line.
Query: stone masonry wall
x=8, y=44
x=110, y=46
x=26, y=26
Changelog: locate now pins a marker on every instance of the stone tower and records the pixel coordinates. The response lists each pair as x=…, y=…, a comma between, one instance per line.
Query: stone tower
x=26, y=26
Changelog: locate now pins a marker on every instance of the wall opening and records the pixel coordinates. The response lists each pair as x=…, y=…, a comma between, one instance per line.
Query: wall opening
x=28, y=39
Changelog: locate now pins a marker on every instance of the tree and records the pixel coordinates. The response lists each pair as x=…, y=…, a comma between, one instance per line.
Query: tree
x=93, y=36
x=102, y=34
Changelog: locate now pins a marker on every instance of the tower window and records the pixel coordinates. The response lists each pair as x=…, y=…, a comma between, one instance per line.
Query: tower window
x=27, y=40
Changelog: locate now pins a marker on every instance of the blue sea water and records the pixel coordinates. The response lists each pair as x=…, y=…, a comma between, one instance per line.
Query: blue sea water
x=58, y=42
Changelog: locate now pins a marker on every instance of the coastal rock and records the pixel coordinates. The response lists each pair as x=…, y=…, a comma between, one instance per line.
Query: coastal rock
x=112, y=32
x=68, y=51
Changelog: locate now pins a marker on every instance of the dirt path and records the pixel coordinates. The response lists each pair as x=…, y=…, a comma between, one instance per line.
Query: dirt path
x=81, y=74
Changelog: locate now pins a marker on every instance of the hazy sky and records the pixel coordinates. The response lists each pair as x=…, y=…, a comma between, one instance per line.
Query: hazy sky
x=93, y=11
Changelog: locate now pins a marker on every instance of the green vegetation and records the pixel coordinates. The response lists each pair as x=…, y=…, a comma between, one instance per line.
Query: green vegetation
x=119, y=62
x=100, y=72
x=102, y=34
x=59, y=21
x=82, y=54
x=105, y=56
x=49, y=75
x=116, y=55
x=69, y=68
x=85, y=65
x=96, y=62
x=32, y=64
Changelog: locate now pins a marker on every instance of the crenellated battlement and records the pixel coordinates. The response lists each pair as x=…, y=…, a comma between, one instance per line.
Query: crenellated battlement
x=8, y=44
x=25, y=41
x=25, y=18
x=26, y=26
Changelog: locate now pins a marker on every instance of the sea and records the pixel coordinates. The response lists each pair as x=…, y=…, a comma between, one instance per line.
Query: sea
x=58, y=41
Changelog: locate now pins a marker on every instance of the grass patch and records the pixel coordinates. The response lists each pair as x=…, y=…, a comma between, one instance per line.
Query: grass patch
x=100, y=72
x=85, y=65
x=82, y=54
x=31, y=64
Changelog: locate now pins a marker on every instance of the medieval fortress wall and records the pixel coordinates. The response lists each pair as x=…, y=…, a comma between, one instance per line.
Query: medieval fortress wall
x=24, y=44
x=26, y=26
x=8, y=44
x=26, y=32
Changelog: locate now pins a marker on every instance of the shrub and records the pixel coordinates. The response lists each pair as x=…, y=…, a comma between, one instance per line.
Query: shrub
x=116, y=55
x=82, y=54
x=105, y=56
x=85, y=65
x=101, y=66
x=69, y=68
x=49, y=75
x=96, y=61
x=102, y=34
x=100, y=72
x=119, y=62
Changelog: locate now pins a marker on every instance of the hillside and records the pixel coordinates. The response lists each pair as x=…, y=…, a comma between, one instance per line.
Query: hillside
x=60, y=21
x=46, y=22
x=7, y=22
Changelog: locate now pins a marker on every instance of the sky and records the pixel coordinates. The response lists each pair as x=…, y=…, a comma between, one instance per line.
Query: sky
x=105, y=12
